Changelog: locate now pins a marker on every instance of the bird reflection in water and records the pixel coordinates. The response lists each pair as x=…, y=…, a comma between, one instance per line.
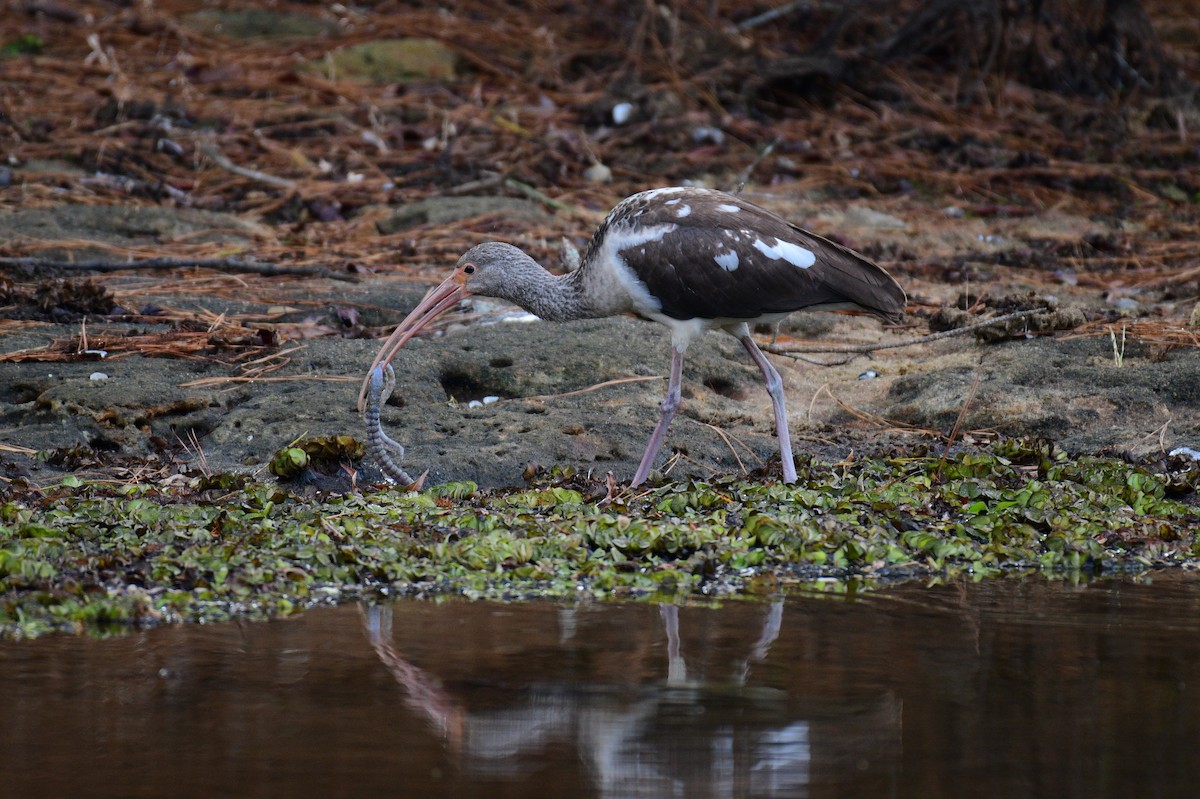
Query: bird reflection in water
x=681, y=735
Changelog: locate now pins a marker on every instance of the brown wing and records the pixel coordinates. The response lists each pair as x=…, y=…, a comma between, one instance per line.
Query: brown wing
x=727, y=257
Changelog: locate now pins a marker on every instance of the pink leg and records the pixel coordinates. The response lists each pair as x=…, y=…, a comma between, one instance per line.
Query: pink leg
x=670, y=404
x=775, y=389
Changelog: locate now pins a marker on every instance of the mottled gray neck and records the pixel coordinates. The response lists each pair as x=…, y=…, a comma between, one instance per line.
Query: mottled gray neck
x=505, y=272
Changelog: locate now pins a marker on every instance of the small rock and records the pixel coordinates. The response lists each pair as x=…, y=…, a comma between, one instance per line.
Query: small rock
x=1125, y=304
x=390, y=61
x=98, y=377
x=621, y=113
x=953, y=211
x=867, y=217
x=870, y=374
x=1172, y=192
x=126, y=226
x=598, y=173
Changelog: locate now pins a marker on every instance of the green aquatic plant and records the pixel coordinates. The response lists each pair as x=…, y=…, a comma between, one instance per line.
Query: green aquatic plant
x=325, y=454
x=91, y=557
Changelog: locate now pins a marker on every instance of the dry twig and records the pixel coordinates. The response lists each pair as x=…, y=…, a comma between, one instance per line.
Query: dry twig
x=864, y=349
x=962, y=414
x=219, y=158
x=155, y=264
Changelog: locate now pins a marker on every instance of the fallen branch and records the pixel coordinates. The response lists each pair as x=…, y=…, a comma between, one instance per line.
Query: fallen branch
x=548, y=201
x=745, y=174
x=210, y=150
x=615, y=382
x=770, y=16
x=863, y=349
x=220, y=264
x=209, y=382
x=732, y=450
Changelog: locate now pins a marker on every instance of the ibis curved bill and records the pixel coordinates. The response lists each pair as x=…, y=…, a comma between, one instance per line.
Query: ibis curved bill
x=436, y=302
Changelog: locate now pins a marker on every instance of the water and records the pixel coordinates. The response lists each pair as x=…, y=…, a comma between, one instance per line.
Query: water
x=1010, y=689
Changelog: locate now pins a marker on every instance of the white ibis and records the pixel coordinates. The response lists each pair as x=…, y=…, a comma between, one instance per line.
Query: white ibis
x=694, y=260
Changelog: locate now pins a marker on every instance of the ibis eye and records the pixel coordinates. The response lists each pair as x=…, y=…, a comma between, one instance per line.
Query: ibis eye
x=469, y=269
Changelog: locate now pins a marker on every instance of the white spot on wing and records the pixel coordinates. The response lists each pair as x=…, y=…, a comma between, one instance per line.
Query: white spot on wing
x=623, y=237
x=683, y=211
x=794, y=254
x=653, y=193
x=727, y=208
x=673, y=202
x=728, y=260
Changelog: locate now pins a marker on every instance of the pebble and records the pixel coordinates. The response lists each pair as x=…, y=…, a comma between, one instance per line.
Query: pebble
x=1125, y=304
x=868, y=217
x=707, y=133
x=598, y=173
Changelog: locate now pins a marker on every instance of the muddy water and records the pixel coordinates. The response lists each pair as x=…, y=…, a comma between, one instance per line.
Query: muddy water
x=1003, y=689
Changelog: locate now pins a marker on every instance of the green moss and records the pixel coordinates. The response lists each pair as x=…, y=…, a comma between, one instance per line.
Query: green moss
x=94, y=558
x=26, y=44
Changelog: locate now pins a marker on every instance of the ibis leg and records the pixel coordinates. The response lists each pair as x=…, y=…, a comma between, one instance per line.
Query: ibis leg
x=775, y=389
x=676, y=665
x=670, y=404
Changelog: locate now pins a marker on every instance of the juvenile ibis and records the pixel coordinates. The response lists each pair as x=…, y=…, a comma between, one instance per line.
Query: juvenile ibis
x=693, y=259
